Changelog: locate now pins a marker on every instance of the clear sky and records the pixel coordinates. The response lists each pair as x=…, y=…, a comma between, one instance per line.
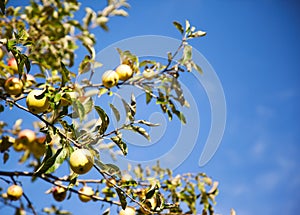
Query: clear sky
x=254, y=48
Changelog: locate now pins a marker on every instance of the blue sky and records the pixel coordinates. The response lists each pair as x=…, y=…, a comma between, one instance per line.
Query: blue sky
x=254, y=48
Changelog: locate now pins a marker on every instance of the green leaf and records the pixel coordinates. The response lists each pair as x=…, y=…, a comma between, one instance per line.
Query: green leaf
x=150, y=193
x=197, y=67
x=61, y=157
x=85, y=65
x=187, y=54
x=129, y=111
x=1, y=108
x=48, y=162
x=122, y=198
x=144, y=122
x=110, y=169
x=178, y=26
x=122, y=145
x=104, y=119
x=106, y=212
x=141, y=131
x=78, y=110
x=65, y=73
x=187, y=26
x=115, y=111
x=2, y=6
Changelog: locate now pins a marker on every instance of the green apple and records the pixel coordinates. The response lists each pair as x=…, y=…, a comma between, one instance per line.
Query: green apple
x=37, y=102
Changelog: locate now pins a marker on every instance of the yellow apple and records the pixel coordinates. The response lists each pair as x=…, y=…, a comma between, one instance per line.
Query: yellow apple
x=35, y=104
x=81, y=161
x=13, y=86
x=87, y=193
x=12, y=63
x=14, y=192
x=128, y=211
x=124, y=71
x=110, y=78
x=2, y=53
x=59, y=193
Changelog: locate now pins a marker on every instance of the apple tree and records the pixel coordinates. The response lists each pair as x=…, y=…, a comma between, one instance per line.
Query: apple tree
x=39, y=71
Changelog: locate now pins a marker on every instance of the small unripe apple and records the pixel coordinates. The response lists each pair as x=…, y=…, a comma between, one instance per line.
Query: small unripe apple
x=124, y=71
x=110, y=78
x=36, y=104
x=128, y=211
x=88, y=192
x=14, y=192
x=59, y=193
x=81, y=161
x=12, y=63
x=13, y=86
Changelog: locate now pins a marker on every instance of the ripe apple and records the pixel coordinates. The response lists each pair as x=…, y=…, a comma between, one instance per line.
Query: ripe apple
x=81, y=161
x=124, y=71
x=128, y=211
x=14, y=192
x=110, y=78
x=12, y=63
x=87, y=192
x=13, y=86
x=59, y=193
x=36, y=104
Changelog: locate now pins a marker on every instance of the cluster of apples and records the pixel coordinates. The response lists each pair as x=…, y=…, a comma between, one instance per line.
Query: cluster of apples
x=111, y=78
x=85, y=193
